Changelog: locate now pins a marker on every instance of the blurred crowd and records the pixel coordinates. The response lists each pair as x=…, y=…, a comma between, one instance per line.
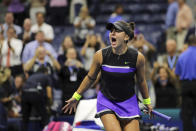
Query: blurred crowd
x=31, y=68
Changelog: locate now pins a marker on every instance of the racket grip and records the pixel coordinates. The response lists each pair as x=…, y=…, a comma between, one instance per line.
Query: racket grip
x=161, y=115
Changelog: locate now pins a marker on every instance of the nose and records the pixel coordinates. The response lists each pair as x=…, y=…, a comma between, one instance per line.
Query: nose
x=112, y=32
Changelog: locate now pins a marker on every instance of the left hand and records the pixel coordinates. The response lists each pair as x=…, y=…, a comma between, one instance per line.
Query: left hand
x=149, y=109
x=48, y=53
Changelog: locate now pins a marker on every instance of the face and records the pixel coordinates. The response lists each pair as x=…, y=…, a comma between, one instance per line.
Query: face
x=117, y=38
x=84, y=12
x=10, y=32
x=41, y=52
x=71, y=53
x=68, y=43
x=27, y=24
x=119, y=10
x=93, y=40
x=40, y=37
x=171, y=46
x=9, y=18
x=180, y=2
x=18, y=82
x=163, y=74
x=40, y=18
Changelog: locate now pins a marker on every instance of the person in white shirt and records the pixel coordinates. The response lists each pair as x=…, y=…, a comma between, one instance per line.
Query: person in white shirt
x=44, y=27
x=11, y=52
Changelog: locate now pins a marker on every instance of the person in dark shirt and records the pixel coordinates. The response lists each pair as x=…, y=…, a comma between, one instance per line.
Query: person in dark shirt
x=117, y=104
x=35, y=95
x=71, y=74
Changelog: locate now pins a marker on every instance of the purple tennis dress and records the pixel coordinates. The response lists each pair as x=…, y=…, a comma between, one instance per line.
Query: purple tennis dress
x=117, y=93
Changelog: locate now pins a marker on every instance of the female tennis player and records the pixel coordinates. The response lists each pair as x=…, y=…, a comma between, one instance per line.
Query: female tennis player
x=117, y=104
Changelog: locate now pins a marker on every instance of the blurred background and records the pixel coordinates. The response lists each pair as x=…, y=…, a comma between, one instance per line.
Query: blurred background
x=47, y=47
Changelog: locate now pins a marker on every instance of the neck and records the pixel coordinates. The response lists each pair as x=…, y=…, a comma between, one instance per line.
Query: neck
x=9, y=24
x=27, y=30
x=172, y=53
x=40, y=43
x=41, y=60
x=120, y=50
x=40, y=24
x=181, y=5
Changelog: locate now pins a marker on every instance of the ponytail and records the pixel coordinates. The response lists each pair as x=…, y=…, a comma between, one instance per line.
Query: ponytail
x=132, y=28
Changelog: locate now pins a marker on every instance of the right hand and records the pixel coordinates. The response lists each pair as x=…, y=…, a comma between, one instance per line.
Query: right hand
x=70, y=106
x=156, y=65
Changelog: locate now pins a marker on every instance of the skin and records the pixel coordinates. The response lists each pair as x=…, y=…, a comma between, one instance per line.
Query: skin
x=171, y=47
x=110, y=121
x=40, y=37
x=9, y=18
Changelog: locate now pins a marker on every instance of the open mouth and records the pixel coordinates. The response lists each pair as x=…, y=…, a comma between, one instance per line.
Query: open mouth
x=113, y=39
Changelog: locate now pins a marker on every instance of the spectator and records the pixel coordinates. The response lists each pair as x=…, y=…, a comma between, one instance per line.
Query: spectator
x=44, y=27
x=71, y=74
x=11, y=51
x=148, y=50
x=36, y=6
x=191, y=31
x=58, y=12
x=117, y=14
x=6, y=89
x=26, y=36
x=93, y=43
x=17, y=93
x=9, y=22
x=39, y=60
x=171, y=57
x=75, y=8
x=165, y=83
x=66, y=44
x=184, y=20
x=185, y=69
x=18, y=9
x=36, y=94
x=30, y=48
x=84, y=25
x=171, y=18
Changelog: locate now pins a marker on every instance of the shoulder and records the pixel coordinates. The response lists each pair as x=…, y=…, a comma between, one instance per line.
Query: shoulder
x=31, y=43
x=45, y=25
x=17, y=40
x=140, y=59
x=48, y=45
x=35, y=26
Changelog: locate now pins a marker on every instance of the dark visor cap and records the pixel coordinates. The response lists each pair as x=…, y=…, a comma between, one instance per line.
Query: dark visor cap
x=120, y=25
x=111, y=26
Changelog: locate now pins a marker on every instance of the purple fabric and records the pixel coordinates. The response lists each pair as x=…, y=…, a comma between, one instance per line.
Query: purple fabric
x=16, y=6
x=119, y=70
x=126, y=109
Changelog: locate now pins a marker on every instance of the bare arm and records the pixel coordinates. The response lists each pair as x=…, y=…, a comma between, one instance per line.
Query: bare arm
x=86, y=83
x=92, y=74
x=141, y=80
x=49, y=93
x=54, y=61
x=28, y=66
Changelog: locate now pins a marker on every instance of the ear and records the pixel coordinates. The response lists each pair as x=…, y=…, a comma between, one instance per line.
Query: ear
x=126, y=37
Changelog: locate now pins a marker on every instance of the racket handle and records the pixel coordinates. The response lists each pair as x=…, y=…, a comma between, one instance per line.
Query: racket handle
x=161, y=115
